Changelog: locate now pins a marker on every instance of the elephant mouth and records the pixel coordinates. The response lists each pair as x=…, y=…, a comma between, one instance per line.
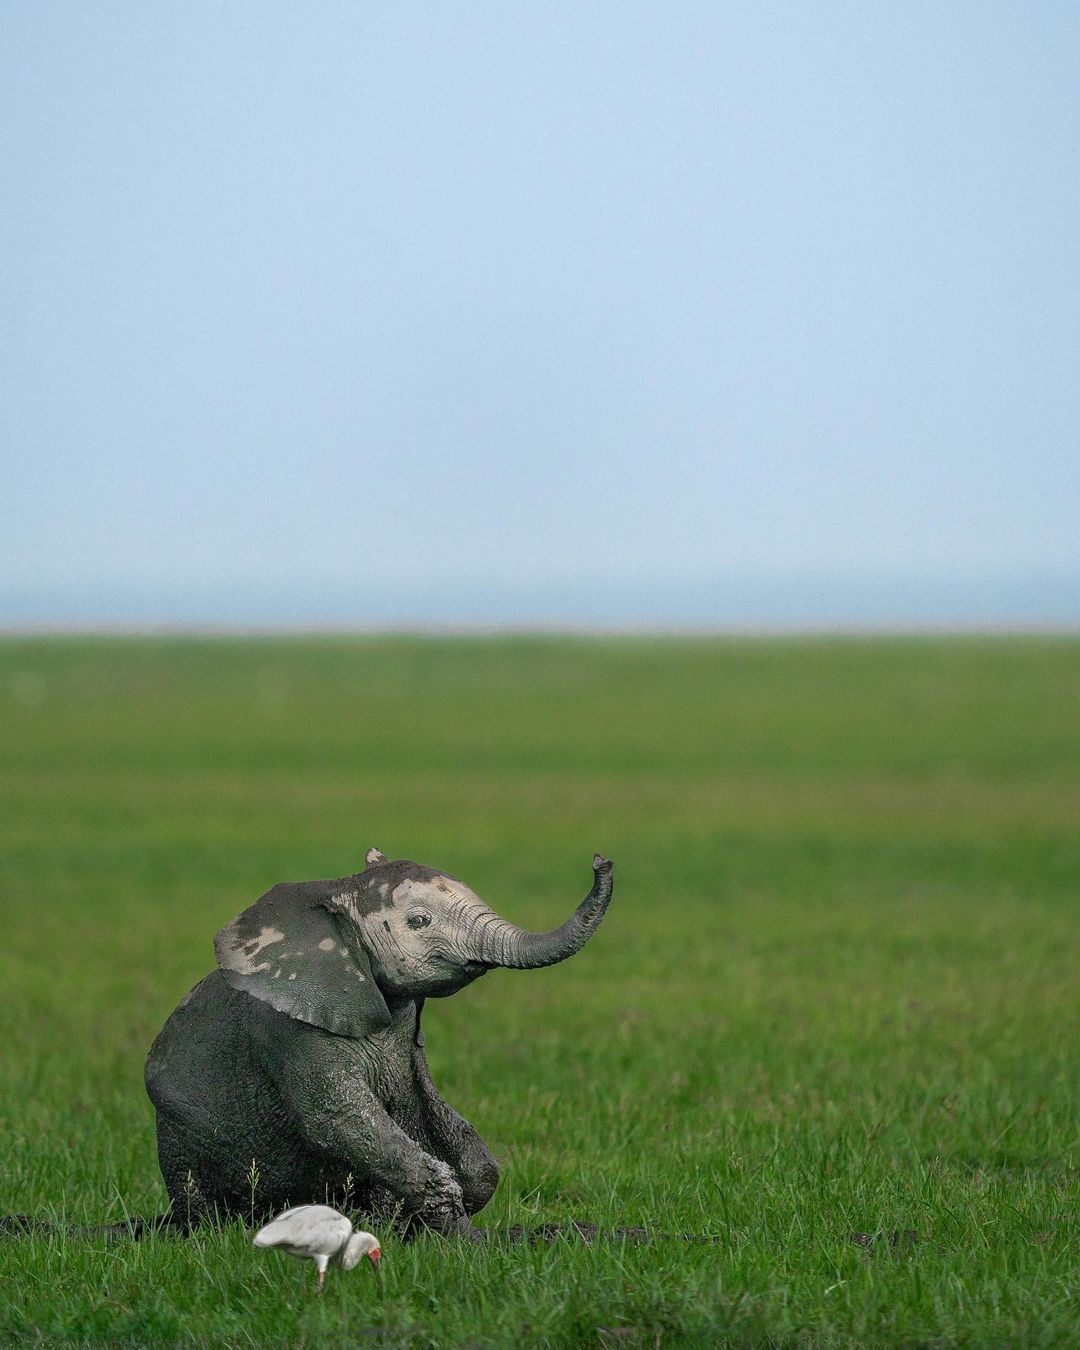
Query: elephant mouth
x=475, y=968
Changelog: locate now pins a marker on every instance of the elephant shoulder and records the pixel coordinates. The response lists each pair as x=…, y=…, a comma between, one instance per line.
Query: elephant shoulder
x=305, y=1062
x=276, y=1036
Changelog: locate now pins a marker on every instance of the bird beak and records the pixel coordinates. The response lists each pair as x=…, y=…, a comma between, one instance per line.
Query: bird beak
x=373, y=1255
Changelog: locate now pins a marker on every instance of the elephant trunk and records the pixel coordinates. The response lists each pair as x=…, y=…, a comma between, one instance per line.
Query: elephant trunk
x=502, y=944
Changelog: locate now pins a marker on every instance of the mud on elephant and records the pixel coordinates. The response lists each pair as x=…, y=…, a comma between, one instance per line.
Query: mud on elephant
x=302, y=1052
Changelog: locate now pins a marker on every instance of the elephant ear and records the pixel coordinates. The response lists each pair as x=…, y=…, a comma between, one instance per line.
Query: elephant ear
x=296, y=951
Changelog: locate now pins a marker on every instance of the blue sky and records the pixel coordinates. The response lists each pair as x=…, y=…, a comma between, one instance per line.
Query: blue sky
x=574, y=311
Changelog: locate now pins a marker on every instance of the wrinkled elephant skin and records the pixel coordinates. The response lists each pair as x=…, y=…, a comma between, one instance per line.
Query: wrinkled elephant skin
x=295, y=1073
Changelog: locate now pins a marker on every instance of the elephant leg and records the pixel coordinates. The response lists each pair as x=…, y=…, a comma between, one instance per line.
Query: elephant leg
x=452, y=1139
x=347, y=1130
x=467, y=1156
x=190, y=1205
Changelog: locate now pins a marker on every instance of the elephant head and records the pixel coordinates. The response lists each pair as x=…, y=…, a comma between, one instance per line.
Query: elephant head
x=334, y=953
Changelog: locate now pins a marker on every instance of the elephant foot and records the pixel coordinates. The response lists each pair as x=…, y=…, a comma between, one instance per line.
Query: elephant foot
x=434, y=1206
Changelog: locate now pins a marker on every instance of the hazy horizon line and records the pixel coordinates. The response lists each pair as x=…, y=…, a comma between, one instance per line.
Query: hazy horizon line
x=554, y=630
x=1016, y=601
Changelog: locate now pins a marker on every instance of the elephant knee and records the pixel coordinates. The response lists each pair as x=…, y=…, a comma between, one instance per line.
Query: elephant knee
x=479, y=1176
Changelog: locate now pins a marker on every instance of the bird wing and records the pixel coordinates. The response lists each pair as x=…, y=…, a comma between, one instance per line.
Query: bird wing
x=309, y=1229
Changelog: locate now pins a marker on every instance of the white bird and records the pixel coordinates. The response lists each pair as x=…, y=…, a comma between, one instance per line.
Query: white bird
x=321, y=1233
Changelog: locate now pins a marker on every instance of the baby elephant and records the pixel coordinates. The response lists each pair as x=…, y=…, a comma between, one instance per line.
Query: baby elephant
x=295, y=1072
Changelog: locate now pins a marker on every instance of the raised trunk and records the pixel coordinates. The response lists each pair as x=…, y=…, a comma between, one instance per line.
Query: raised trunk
x=499, y=943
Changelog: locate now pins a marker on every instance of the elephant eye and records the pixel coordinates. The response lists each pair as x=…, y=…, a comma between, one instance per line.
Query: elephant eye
x=418, y=920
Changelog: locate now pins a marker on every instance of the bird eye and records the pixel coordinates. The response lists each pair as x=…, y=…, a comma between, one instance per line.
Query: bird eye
x=418, y=920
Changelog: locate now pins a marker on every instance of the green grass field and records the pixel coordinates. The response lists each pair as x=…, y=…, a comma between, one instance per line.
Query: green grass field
x=838, y=990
